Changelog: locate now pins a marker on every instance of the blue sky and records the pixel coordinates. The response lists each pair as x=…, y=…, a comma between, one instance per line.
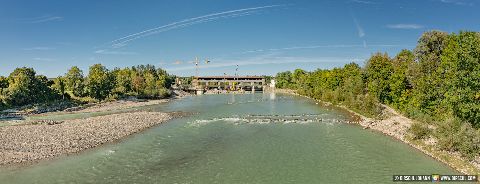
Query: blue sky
x=262, y=37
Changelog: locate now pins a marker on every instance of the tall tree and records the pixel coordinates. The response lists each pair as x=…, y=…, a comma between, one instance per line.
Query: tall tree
x=379, y=69
x=400, y=82
x=123, y=81
x=26, y=88
x=99, y=82
x=283, y=80
x=428, y=80
x=3, y=84
x=59, y=86
x=74, y=81
x=461, y=70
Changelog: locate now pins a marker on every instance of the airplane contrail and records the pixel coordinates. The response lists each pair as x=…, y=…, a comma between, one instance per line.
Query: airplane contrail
x=120, y=42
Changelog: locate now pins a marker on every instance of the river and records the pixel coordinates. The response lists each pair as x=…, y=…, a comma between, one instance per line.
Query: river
x=260, y=138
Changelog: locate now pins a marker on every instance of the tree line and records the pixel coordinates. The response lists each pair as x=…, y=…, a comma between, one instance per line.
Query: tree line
x=437, y=83
x=23, y=86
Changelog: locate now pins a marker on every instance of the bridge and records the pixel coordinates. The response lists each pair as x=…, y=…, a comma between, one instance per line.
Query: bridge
x=229, y=83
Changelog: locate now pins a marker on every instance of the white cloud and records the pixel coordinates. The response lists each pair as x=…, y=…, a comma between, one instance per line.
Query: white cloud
x=458, y=2
x=363, y=2
x=114, y=52
x=265, y=60
x=43, y=59
x=405, y=26
x=322, y=47
x=39, y=48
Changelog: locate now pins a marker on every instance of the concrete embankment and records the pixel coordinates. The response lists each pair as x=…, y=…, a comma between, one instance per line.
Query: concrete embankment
x=29, y=143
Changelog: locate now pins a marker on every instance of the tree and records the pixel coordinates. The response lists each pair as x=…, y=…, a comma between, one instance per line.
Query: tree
x=138, y=83
x=353, y=84
x=43, y=91
x=298, y=78
x=379, y=69
x=123, y=81
x=461, y=68
x=283, y=79
x=74, y=81
x=150, y=85
x=20, y=90
x=26, y=88
x=59, y=86
x=3, y=84
x=400, y=81
x=428, y=79
x=99, y=82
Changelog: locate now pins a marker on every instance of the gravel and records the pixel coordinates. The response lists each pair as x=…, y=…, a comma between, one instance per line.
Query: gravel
x=34, y=142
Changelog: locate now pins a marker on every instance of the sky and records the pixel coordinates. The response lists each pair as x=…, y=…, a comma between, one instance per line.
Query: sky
x=261, y=37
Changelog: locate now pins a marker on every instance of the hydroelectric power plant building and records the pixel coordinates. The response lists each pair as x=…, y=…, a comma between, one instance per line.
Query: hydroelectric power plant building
x=229, y=83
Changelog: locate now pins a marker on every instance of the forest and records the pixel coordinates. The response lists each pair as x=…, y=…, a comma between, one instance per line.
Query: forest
x=436, y=83
x=24, y=87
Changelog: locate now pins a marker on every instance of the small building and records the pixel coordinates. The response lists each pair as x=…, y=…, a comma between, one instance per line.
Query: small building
x=272, y=83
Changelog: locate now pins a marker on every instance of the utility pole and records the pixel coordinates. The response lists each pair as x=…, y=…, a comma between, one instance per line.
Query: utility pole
x=196, y=67
x=236, y=71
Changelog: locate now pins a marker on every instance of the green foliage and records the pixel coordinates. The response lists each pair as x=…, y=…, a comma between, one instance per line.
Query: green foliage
x=420, y=130
x=74, y=81
x=99, y=82
x=428, y=82
x=3, y=86
x=59, y=86
x=460, y=65
x=439, y=80
x=26, y=88
x=379, y=70
x=143, y=81
x=283, y=80
x=400, y=82
x=3, y=82
x=123, y=81
x=453, y=135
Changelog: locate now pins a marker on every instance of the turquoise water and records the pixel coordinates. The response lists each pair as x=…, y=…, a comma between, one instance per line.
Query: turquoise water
x=261, y=138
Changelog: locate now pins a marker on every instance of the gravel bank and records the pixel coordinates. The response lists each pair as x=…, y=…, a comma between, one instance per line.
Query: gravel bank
x=115, y=105
x=29, y=143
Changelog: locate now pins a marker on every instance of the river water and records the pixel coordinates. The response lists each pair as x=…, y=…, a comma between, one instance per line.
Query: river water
x=260, y=138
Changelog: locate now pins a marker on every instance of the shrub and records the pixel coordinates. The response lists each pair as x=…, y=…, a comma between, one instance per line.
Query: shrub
x=455, y=135
x=420, y=130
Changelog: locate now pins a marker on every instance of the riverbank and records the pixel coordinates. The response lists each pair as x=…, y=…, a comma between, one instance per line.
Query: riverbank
x=25, y=141
x=34, y=142
x=396, y=125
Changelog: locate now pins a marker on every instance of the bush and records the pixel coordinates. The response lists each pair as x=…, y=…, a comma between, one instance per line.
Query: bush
x=2, y=105
x=420, y=130
x=369, y=105
x=455, y=135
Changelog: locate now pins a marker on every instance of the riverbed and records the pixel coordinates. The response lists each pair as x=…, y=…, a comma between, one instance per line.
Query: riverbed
x=250, y=138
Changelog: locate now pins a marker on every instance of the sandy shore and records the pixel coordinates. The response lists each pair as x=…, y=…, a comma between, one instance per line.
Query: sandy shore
x=396, y=125
x=29, y=143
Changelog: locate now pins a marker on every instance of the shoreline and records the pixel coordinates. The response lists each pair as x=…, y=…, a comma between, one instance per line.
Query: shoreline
x=32, y=141
x=396, y=125
x=25, y=144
